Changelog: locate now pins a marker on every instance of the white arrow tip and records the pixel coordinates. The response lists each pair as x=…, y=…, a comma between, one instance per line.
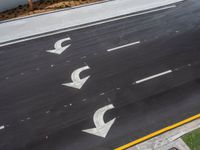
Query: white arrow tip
x=59, y=50
x=101, y=131
x=53, y=51
x=77, y=85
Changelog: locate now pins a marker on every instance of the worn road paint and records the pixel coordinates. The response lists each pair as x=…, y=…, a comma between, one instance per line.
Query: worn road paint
x=158, y=132
x=123, y=46
x=101, y=128
x=152, y=77
x=76, y=81
x=58, y=46
x=2, y=127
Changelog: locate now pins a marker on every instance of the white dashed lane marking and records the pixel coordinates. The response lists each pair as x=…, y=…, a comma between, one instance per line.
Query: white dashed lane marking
x=123, y=46
x=152, y=77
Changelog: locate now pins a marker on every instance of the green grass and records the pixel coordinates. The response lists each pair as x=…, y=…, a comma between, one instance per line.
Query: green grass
x=192, y=139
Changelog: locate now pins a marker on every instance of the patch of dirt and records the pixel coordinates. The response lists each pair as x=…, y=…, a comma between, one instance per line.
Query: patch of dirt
x=42, y=6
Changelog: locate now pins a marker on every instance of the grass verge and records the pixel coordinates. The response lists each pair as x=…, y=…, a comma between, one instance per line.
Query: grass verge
x=192, y=139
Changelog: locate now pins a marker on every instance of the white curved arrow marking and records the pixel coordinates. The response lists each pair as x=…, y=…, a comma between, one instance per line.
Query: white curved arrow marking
x=101, y=128
x=58, y=46
x=76, y=81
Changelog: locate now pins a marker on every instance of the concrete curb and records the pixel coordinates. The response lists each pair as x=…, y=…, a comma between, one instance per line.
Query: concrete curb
x=71, y=19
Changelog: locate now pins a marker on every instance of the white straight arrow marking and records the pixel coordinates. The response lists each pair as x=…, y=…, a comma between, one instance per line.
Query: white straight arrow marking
x=76, y=81
x=101, y=128
x=58, y=46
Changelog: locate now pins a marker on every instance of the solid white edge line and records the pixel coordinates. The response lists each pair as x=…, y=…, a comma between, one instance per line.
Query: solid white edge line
x=154, y=76
x=90, y=25
x=123, y=46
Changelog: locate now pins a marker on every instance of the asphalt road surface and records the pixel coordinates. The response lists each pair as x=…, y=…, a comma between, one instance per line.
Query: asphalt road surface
x=146, y=67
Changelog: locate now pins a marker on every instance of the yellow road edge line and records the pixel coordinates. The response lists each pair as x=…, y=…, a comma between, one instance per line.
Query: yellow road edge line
x=158, y=132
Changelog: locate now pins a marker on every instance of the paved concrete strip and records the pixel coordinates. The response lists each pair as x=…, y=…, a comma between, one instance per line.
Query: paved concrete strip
x=87, y=25
x=36, y=25
x=179, y=143
x=186, y=129
x=169, y=139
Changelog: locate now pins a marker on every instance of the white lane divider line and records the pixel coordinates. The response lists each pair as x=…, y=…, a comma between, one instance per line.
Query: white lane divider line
x=152, y=77
x=123, y=46
x=2, y=127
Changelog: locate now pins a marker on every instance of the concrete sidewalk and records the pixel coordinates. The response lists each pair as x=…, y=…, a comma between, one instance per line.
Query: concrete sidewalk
x=169, y=139
x=31, y=26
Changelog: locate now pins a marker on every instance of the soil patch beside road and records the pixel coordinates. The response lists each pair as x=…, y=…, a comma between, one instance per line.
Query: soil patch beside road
x=41, y=7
